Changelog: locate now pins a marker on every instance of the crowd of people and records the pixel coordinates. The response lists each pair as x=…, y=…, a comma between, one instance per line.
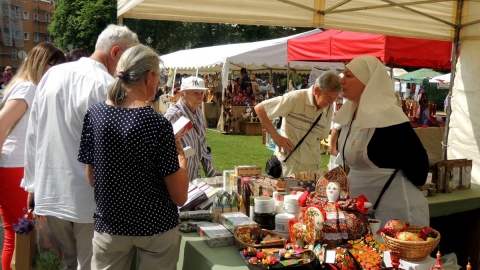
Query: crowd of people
x=82, y=146
x=85, y=175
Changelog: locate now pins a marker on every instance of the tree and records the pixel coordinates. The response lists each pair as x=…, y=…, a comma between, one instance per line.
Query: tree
x=170, y=36
x=77, y=23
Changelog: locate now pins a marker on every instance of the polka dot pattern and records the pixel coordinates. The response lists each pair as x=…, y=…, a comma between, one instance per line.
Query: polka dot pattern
x=131, y=150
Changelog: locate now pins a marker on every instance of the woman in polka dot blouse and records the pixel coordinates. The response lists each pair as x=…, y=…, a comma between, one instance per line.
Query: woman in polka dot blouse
x=137, y=169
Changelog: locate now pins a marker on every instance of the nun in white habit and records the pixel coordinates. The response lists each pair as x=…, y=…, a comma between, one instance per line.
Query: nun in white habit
x=377, y=140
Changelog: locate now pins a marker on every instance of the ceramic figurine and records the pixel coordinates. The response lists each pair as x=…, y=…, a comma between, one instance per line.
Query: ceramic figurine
x=438, y=264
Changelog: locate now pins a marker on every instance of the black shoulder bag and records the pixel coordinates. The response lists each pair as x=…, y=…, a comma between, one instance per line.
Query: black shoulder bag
x=273, y=167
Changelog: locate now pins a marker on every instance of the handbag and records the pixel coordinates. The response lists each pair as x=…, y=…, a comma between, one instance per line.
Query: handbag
x=24, y=252
x=273, y=167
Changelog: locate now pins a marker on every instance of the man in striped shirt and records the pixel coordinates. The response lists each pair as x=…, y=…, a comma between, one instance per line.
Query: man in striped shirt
x=189, y=105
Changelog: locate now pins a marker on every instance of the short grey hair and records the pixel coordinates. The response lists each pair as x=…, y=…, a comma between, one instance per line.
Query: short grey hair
x=116, y=35
x=329, y=81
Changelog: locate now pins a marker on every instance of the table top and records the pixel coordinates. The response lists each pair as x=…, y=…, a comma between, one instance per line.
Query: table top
x=196, y=254
x=458, y=201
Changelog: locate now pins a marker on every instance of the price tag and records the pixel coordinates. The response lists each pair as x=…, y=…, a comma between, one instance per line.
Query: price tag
x=330, y=256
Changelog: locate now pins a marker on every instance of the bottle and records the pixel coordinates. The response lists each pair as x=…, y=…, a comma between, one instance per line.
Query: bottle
x=279, y=204
x=252, y=207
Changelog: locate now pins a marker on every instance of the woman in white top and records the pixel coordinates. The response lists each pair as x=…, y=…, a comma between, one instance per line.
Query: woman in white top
x=377, y=141
x=14, y=114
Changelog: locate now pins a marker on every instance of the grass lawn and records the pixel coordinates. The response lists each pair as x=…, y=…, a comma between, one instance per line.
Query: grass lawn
x=231, y=150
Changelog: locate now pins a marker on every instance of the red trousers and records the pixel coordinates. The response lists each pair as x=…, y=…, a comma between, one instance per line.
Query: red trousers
x=13, y=199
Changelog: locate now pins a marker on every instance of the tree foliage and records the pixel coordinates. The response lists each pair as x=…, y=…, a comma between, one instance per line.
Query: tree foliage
x=77, y=23
x=170, y=36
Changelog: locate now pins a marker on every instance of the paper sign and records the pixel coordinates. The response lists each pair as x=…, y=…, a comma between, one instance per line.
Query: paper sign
x=330, y=257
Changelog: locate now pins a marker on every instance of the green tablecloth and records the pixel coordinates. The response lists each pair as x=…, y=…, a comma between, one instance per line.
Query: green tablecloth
x=455, y=202
x=195, y=254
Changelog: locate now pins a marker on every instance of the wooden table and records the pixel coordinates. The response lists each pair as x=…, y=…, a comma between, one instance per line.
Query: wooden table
x=457, y=217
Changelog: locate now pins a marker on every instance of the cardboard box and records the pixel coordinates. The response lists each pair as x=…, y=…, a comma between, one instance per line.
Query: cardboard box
x=235, y=219
x=248, y=170
x=215, y=234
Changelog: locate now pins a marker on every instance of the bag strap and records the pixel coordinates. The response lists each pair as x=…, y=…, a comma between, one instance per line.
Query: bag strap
x=304, y=136
x=385, y=187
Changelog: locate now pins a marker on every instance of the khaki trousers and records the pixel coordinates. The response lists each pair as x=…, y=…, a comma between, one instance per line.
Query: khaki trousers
x=75, y=241
x=116, y=252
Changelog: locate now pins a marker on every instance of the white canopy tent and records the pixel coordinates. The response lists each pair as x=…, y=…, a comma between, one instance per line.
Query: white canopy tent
x=267, y=56
x=442, y=80
x=445, y=78
x=454, y=20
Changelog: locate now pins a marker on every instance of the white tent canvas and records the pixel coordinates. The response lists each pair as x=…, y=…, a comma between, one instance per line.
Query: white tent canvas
x=262, y=56
x=442, y=80
x=393, y=17
x=454, y=20
x=445, y=78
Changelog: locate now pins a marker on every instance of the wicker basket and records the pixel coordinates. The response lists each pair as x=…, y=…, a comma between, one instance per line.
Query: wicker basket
x=412, y=250
x=241, y=245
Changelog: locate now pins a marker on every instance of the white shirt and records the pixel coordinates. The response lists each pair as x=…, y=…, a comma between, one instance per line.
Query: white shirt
x=52, y=171
x=13, y=150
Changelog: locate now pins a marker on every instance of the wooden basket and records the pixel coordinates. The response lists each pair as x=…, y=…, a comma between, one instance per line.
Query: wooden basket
x=264, y=244
x=412, y=250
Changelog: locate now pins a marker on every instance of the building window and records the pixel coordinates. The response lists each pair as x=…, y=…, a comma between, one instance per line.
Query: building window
x=26, y=36
x=16, y=9
x=47, y=38
x=25, y=15
x=47, y=16
x=14, y=54
x=36, y=37
x=35, y=16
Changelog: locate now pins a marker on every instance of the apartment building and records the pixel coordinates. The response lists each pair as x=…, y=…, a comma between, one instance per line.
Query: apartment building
x=23, y=24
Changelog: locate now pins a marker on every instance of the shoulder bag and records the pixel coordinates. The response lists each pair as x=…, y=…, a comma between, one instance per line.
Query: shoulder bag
x=273, y=167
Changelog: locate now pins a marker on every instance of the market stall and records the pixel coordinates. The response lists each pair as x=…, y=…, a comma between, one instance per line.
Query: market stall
x=444, y=212
x=336, y=45
x=456, y=21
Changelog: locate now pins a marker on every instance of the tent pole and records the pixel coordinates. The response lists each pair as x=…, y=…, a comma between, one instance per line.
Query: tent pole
x=448, y=109
x=288, y=77
x=174, y=77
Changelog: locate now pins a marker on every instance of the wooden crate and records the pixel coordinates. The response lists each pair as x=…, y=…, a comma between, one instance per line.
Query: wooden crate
x=251, y=128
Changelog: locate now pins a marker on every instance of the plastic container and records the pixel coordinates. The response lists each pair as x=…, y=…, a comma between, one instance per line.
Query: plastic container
x=265, y=220
x=281, y=222
x=290, y=204
x=264, y=205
